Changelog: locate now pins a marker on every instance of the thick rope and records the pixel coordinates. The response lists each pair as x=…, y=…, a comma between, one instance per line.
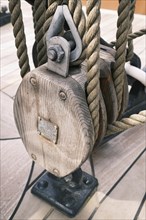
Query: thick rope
x=52, y=6
x=20, y=40
x=75, y=7
x=137, y=34
x=130, y=51
x=126, y=123
x=122, y=33
x=39, y=20
x=93, y=63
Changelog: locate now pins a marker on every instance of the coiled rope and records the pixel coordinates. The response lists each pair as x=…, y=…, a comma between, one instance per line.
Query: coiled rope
x=120, y=57
x=92, y=40
x=93, y=61
x=126, y=123
x=20, y=40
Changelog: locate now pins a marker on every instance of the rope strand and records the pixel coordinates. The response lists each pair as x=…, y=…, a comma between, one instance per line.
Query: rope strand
x=20, y=39
x=93, y=63
x=39, y=20
x=126, y=123
x=120, y=57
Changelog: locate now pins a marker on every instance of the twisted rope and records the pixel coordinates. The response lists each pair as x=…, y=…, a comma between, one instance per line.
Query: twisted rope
x=122, y=32
x=52, y=6
x=137, y=34
x=130, y=52
x=39, y=20
x=20, y=40
x=75, y=7
x=93, y=63
x=126, y=123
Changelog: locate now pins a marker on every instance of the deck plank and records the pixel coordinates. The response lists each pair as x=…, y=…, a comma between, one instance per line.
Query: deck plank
x=111, y=161
x=15, y=166
x=142, y=214
x=125, y=199
x=7, y=127
x=115, y=156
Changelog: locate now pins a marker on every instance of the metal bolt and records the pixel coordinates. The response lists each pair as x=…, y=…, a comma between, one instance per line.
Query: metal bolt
x=52, y=55
x=87, y=181
x=33, y=156
x=62, y=95
x=56, y=53
x=69, y=201
x=33, y=81
x=56, y=172
x=42, y=184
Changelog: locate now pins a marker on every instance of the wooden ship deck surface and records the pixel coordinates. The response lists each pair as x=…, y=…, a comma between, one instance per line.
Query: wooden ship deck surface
x=119, y=164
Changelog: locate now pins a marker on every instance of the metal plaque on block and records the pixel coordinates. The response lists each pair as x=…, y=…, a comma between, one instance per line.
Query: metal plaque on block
x=48, y=130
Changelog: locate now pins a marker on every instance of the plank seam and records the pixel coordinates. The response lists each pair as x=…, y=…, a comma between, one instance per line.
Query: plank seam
x=140, y=207
x=116, y=183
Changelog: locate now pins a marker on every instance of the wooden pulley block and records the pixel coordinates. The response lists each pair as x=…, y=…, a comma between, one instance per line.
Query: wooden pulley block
x=53, y=119
x=106, y=83
x=102, y=121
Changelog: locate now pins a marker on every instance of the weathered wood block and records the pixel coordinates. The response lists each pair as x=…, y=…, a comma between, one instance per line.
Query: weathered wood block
x=53, y=119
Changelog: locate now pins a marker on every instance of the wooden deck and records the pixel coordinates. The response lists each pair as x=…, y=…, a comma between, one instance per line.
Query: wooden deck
x=119, y=164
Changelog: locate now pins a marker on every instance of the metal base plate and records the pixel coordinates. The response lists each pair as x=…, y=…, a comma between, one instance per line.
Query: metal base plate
x=65, y=195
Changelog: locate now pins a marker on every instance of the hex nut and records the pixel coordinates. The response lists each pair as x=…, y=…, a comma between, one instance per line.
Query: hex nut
x=56, y=53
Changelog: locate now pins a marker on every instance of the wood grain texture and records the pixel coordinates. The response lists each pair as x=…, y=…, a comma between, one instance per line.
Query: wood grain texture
x=7, y=126
x=15, y=165
x=142, y=214
x=125, y=199
x=72, y=117
x=85, y=212
x=37, y=210
x=111, y=161
x=113, y=157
